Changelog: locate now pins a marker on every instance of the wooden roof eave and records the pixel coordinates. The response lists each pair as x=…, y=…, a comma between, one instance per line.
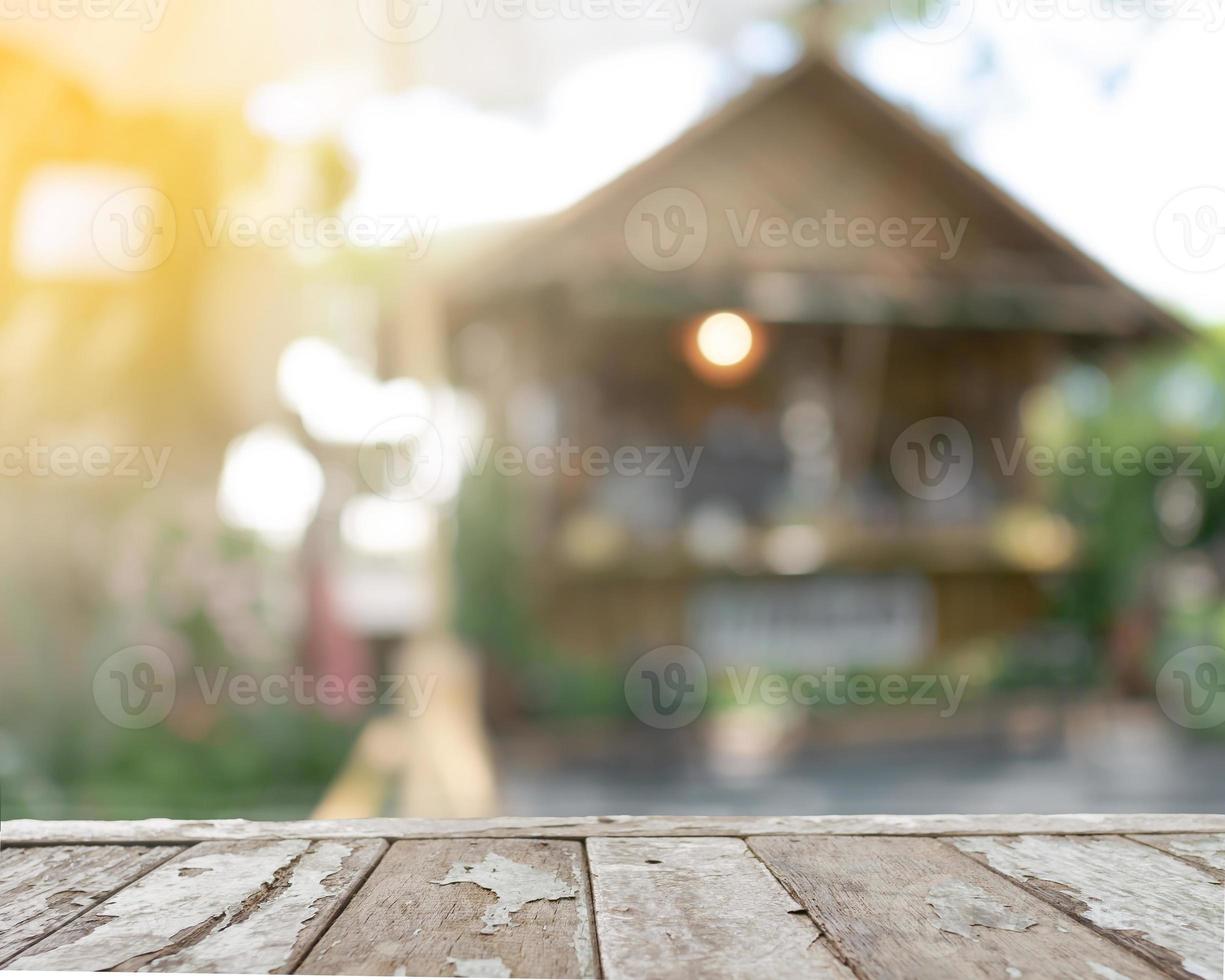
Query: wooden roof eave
x=504, y=271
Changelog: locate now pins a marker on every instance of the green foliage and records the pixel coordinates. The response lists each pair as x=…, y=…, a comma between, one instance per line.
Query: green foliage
x=491, y=607
x=1152, y=538
x=61, y=758
x=494, y=613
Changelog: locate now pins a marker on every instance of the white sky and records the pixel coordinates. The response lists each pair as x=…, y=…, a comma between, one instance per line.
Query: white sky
x=1097, y=161
x=1094, y=123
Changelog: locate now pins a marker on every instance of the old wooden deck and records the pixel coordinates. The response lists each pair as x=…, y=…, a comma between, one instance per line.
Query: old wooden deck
x=944, y=896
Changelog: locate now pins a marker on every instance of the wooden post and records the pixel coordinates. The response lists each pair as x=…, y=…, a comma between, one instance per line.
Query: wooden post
x=444, y=761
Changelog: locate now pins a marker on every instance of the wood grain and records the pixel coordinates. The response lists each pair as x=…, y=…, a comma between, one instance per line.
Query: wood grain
x=251, y=907
x=906, y=908
x=406, y=920
x=160, y=831
x=45, y=888
x=1205, y=851
x=698, y=907
x=1158, y=906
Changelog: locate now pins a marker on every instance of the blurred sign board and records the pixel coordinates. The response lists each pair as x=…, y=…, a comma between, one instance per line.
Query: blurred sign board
x=827, y=620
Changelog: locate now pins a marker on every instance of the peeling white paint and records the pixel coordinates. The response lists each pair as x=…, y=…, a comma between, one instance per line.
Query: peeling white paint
x=479, y=968
x=147, y=915
x=264, y=940
x=1123, y=886
x=960, y=906
x=698, y=907
x=43, y=888
x=515, y=885
x=1207, y=849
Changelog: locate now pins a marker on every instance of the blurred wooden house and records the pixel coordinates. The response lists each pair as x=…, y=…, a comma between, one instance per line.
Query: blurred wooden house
x=794, y=543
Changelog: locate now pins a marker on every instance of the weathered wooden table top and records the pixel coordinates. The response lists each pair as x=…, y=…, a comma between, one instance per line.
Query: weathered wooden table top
x=943, y=896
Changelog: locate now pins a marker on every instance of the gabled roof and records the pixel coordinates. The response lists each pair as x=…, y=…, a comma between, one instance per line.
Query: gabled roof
x=809, y=143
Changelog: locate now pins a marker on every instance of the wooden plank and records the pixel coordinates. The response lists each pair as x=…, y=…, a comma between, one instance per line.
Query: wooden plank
x=250, y=907
x=909, y=907
x=1164, y=909
x=161, y=831
x=45, y=888
x=698, y=907
x=1205, y=851
x=466, y=908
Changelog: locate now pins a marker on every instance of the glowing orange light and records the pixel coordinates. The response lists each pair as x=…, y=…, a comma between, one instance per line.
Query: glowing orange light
x=725, y=339
x=724, y=348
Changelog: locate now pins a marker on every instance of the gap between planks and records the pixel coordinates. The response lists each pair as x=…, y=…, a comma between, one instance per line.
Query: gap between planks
x=1203, y=851
x=676, y=907
x=1196, y=848
x=518, y=906
x=900, y=908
